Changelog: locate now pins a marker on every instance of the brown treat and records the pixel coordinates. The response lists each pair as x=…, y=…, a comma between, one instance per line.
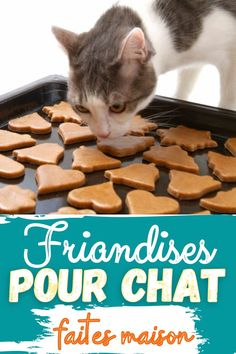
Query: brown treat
x=52, y=178
x=224, y=167
x=72, y=211
x=11, y=141
x=41, y=154
x=139, y=126
x=100, y=197
x=137, y=176
x=188, y=186
x=205, y=212
x=172, y=157
x=62, y=112
x=15, y=200
x=125, y=145
x=223, y=202
x=10, y=168
x=72, y=133
x=188, y=138
x=88, y=159
x=231, y=145
x=31, y=123
x=143, y=202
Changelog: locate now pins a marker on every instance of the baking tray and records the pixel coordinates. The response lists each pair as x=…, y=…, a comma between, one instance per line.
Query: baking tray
x=164, y=111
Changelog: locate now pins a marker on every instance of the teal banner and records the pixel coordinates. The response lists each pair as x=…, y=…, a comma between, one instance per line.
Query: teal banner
x=97, y=284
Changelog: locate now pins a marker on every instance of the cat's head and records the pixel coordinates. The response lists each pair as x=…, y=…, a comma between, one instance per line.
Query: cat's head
x=111, y=74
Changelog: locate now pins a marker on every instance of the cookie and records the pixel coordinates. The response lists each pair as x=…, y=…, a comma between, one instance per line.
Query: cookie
x=140, y=126
x=41, y=154
x=62, y=112
x=222, y=202
x=11, y=141
x=15, y=200
x=73, y=211
x=205, y=212
x=145, y=203
x=10, y=169
x=125, y=145
x=100, y=197
x=73, y=133
x=31, y=123
x=188, y=186
x=136, y=176
x=188, y=138
x=88, y=159
x=172, y=157
x=52, y=178
x=231, y=145
x=224, y=167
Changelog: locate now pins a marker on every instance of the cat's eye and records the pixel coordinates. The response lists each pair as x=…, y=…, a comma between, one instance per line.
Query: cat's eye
x=118, y=108
x=81, y=108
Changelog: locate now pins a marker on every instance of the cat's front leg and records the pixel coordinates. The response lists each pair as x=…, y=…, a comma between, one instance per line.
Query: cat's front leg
x=187, y=78
x=228, y=82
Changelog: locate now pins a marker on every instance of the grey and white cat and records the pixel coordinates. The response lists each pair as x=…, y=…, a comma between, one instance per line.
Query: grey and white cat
x=114, y=67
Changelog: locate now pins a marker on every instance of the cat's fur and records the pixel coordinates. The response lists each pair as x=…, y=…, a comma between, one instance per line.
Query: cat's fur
x=119, y=60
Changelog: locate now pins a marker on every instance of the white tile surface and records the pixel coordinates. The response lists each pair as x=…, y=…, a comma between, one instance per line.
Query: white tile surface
x=29, y=50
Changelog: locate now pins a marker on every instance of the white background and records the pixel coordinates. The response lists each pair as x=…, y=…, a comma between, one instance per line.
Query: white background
x=29, y=50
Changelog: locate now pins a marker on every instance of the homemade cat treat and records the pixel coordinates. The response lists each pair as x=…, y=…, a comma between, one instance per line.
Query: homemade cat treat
x=136, y=176
x=224, y=167
x=100, y=197
x=89, y=159
x=31, y=123
x=143, y=202
x=188, y=138
x=125, y=145
x=223, y=202
x=15, y=200
x=10, y=169
x=62, y=112
x=188, y=186
x=41, y=154
x=231, y=145
x=73, y=133
x=172, y=157
x=52, y=178
x=11, y=141
x=73, y=211
x=140, y=126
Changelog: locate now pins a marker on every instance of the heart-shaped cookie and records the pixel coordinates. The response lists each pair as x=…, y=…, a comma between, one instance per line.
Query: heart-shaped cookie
x=15, y=200
x=188, y=186
x=172, y=157
x=125, y=145
x=136, y=176
x=10, y=169
x=145, y=203
x=73, y=211
x=31, y=123
x=224, y=167
x=188, y=138
x=41, y=154
x=10, y=141
x=62, y=112
x=52, y=178
x=88, y=159
x=222, y=202
x=100, y=197
x=73, y=133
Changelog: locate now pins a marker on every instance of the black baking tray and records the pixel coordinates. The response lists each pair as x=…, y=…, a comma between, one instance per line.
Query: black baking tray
x=166, y=112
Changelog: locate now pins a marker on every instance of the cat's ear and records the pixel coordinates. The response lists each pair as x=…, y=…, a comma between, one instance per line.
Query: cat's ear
x=69, y=40
x=136, y=46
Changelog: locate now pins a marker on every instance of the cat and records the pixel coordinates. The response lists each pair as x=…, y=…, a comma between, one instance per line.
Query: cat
x=114, y=67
